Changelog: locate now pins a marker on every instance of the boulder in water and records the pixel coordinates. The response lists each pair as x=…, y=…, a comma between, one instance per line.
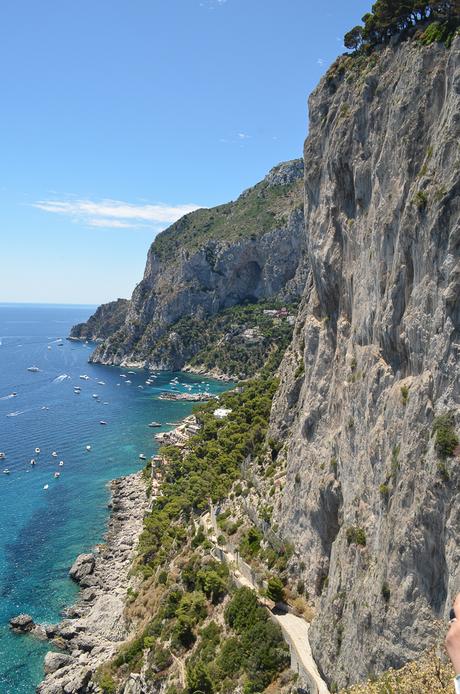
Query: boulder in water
x=22, y=624
x=83, y=566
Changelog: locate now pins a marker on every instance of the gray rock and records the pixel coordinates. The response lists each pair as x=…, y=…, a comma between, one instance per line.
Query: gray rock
x=378, y=342
x=23, y=623
x=55, y=661
x=83, y=566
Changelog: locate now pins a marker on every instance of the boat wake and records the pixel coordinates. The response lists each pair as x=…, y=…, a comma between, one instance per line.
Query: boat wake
x=8, y=397
x=15, y=414
x=62, y=377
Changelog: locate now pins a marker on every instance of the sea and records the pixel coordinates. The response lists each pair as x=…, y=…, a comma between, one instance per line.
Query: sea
x=46, y=521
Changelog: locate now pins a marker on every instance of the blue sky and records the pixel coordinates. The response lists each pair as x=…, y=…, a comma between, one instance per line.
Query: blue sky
x=117, y=116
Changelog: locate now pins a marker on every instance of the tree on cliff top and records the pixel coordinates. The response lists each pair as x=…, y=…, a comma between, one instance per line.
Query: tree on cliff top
x=388, y=17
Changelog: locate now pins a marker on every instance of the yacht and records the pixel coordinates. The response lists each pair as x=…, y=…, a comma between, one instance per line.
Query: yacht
x=102, y=422
x=37, y=451
x=61, y=463
x=54, y=454
x=142, y=456
x=84, y=377
x=32, y=462
x=46, y=486
x=6, y=471
x=88, y=448
x=101, y=383
x=154, y=424
x=57, y=474
x=2, y=455
x=33, y=369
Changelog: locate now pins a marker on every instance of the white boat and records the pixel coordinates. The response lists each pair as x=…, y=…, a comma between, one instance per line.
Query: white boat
x=57, y=474
x=132, y=372
x=102, y=422
x=101, y=383
x=154, y=424
x=6, y=471
x=77, y=391
x=142, y=387
x=95, y=395
x=88, y=448
x=49, y=346
x=46, y=486
x=37, y=451
x=61, y=463
x=84, y=377
x=32, y=462
x=2, y=455
x=128, y=381
x=142, y=456
x=123, y=376
x=54, y=454
x=33, y=369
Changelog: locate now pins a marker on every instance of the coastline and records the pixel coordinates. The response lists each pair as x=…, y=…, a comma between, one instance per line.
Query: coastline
x=95, y=626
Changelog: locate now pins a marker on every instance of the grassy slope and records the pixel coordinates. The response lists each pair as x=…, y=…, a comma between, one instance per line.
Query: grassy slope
x=257, y=211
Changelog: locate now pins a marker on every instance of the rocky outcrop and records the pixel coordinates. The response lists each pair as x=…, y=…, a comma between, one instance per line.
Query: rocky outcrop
x=22, y=624
x=371, y=500
x=210, y=260
x=103, y=323
x=98, y=625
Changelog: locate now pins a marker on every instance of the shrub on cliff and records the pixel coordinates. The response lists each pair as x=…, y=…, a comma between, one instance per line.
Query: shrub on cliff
x=389, y=17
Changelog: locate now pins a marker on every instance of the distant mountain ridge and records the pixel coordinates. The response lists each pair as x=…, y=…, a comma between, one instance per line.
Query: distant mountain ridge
x=212, y=259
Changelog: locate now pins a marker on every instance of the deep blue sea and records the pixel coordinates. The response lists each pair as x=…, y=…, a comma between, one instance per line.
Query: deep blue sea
x=42, y=530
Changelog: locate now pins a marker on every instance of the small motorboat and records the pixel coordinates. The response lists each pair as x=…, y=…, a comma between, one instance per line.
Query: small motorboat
x=88, y=448
x=49, y=346
x=37, y=451
x=61, y=463
x=76, y=391
x=142, y=387
x=6, y=471
x=32, y=462
x=56, y=475
x=102, y=422
x=2, y=455
x=95, y=395
x=128, y=381
x=46, y=486
x=123, y=376
x=33, y=369
x=154, y=424
x=84, y=377
x=54, y=454
x=142, y=456
x=101, y=383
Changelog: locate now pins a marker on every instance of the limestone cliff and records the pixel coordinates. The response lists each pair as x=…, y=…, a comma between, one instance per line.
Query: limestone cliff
x=371, y=499
x=208, y=261
x=103, y=323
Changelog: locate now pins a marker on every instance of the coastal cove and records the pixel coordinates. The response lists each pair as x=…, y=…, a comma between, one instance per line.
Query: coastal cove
x=43, y=530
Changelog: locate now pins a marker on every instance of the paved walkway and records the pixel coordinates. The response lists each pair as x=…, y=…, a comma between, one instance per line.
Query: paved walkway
x=295, y=629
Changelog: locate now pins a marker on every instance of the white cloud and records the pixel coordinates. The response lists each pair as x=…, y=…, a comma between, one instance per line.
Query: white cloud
x=115, y=214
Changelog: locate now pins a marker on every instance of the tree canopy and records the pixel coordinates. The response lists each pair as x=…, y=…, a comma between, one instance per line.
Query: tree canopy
x=389, y=17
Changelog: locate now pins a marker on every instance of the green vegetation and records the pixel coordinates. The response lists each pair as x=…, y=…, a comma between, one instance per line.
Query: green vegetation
x=420, y=200
x=257, y=211
x=404, y=395
x=390, y=17
x=219, y=342
x=386, y=593
x=446, y=440
x=275, y=589
x=208, y=470
x=356, y=536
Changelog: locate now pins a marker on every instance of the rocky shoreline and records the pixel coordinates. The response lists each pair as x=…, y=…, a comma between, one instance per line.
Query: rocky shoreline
x=95, y=626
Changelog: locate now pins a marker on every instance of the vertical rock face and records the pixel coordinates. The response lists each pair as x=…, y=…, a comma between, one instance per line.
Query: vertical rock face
x=371, y=505
x=210, y=260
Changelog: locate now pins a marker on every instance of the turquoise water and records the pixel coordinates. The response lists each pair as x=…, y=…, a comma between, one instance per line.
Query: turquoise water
x=42, y=530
